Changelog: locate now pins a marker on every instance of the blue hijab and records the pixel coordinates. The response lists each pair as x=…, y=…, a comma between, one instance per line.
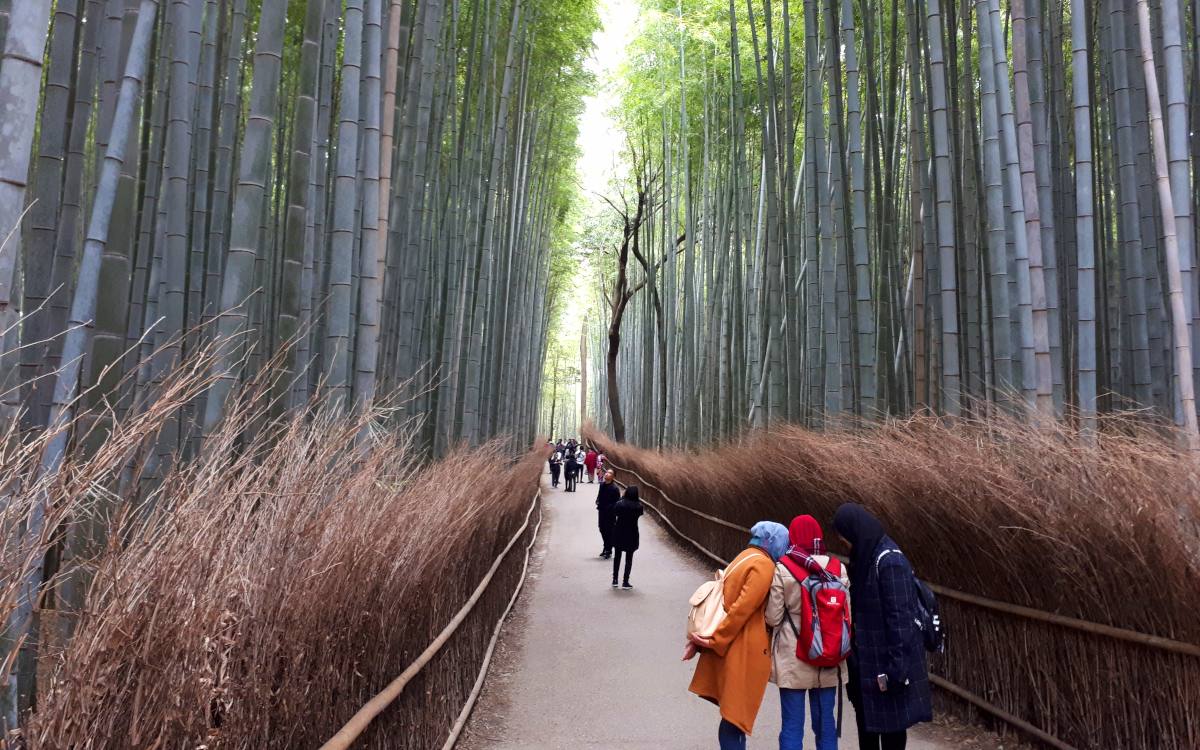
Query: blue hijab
x=770, y=537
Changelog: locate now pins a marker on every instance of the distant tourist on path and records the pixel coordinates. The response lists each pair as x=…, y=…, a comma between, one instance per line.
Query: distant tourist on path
x=606, y=501
x=555, y=467
x=625, y=537
x=572, y=469
x=807, y=567
x=589, y=462
x=735, y=663
x=889, y=679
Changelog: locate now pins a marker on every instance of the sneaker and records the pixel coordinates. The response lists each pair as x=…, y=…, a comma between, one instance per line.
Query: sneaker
x=627, y=585
x=614, y=584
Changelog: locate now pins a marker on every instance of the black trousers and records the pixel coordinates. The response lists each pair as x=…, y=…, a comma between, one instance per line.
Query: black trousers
x=617, y=564
x=606, y=522
x=871, y=741
x=554, y=471
x=571, y=477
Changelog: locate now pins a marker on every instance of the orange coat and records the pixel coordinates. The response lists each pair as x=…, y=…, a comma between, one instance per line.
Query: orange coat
x=734, y=672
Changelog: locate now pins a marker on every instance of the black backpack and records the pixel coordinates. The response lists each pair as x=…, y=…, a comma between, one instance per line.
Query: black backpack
x=929, y=619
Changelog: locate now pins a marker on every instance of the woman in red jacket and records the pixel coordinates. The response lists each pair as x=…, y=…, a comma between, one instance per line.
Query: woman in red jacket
x=589, y=462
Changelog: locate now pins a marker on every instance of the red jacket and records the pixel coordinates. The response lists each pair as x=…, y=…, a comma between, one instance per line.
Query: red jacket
x=590, y=460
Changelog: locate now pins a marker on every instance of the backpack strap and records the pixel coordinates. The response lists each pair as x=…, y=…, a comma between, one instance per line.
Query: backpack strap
x=794, y=568
x=802, y=574
x=733, y=567
x=884, y=554
x=787, y=611
x=839, y=707
x=787, y=615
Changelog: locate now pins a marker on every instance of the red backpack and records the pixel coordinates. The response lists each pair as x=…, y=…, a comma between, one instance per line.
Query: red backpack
x=823, y=638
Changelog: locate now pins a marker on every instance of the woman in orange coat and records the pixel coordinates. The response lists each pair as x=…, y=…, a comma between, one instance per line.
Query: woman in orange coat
x=735, y=663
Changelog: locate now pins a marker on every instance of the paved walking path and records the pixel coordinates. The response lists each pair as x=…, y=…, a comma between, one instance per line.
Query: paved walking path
x=582, y=665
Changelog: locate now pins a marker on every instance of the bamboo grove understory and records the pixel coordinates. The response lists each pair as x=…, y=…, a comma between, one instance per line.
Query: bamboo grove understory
x=856, y=210
x=360, y=200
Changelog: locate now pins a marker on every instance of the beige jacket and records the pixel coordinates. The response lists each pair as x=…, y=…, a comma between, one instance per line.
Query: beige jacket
x=787, y=671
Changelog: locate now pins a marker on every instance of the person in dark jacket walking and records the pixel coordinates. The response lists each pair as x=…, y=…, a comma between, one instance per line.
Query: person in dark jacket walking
x=571, y=467
x=606, y=500
x=889, y=679
x=625, y=539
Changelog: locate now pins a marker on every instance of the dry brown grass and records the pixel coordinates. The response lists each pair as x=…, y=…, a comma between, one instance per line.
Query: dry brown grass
x=270, y=587
x=1108, y=534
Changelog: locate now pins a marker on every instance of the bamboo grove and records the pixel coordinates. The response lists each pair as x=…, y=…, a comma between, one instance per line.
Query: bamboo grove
x=292, y=208
x=362, y=195
x=861, y=209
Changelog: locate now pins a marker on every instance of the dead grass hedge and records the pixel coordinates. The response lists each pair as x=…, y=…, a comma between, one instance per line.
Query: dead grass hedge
x=1107, y=533
x=271, y=588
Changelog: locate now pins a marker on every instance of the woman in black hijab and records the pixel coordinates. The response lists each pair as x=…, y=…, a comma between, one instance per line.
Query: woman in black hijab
x=889, y=680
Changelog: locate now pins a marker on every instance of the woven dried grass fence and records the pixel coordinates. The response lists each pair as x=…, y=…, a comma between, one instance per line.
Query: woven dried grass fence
x=275, y=591
x=1069, y=575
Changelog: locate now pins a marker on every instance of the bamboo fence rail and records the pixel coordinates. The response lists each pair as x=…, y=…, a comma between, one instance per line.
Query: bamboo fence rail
x=358, y=723
x=1153, y=641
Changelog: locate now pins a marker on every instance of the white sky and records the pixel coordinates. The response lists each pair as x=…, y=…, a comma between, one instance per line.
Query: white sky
x=600, y=138
x=600, y=141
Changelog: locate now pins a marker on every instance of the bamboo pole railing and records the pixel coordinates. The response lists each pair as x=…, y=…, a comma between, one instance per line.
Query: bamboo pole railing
x=358, y=723
x=469, y=706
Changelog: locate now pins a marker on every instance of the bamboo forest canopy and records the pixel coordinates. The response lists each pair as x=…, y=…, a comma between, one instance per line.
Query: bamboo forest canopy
x=363, y=198
x=855, y=210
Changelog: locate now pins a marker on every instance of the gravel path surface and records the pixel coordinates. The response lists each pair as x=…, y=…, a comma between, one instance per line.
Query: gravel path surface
x=582, y=665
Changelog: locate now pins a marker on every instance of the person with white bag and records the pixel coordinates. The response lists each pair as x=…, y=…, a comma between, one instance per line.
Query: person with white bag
x=735, y=664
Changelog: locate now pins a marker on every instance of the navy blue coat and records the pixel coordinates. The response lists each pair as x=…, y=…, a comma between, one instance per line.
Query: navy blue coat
x=888, y=641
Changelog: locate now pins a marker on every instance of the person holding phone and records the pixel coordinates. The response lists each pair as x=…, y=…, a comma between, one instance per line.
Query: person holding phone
x=889, y=679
